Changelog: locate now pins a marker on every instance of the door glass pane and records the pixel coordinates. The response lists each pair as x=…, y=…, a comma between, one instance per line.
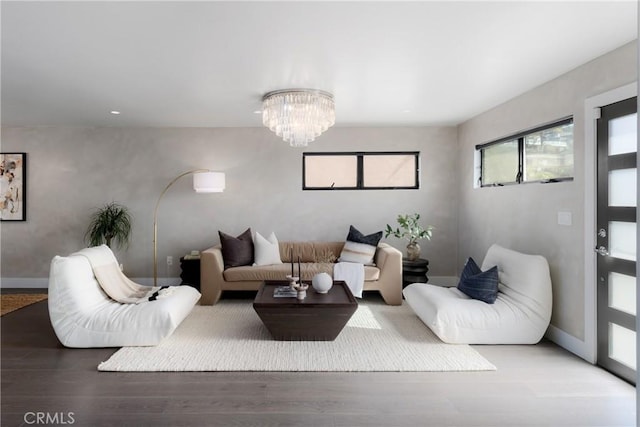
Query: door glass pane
x=622, y=345
x=389, y=170
x=622, y=135
x=330, y=171
x=622, y=187
x=622, y=292
x=622, y=240
x=500, y=163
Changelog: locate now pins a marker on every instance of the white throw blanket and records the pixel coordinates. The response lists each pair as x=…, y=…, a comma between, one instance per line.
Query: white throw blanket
x=352, y=274
x=114, y=282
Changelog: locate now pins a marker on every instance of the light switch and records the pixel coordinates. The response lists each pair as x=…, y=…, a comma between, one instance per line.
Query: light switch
x=565, y=218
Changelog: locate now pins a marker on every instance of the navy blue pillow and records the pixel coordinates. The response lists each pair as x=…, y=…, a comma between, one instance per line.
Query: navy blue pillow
x=478, y=284
x=470, y=269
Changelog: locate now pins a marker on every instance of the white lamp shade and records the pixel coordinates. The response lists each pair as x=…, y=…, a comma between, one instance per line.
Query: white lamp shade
x=208, y=182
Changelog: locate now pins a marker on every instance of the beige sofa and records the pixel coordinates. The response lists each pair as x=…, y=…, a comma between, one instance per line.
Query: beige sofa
x=385, y=276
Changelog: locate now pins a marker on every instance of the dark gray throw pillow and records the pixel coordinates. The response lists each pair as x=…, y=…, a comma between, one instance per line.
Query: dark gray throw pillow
x=356, y=236
x=478, y=284
x=237, y=251
x=360, y=248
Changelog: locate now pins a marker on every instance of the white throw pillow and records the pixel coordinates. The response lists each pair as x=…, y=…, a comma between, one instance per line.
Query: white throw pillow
x=361, y=253
x=267, y=251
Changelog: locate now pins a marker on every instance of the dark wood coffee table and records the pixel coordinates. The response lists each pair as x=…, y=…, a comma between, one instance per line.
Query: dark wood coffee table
x=319, y=317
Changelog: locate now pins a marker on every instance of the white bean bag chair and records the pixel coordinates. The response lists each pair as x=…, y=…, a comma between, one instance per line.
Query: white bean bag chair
x=84, y=316
x=520, y=315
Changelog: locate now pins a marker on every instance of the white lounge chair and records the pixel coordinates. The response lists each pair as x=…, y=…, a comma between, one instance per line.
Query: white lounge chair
x=520, y=315
x=84, y=316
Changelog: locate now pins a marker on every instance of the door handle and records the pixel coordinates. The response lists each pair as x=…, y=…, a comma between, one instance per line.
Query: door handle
x=602, y=251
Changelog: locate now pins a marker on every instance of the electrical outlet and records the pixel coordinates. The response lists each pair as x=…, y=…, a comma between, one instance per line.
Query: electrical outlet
x=169, y=260
x=565, y=218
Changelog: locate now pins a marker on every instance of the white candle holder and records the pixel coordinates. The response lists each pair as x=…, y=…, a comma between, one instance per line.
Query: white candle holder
x=293, y=281
x=302, y=290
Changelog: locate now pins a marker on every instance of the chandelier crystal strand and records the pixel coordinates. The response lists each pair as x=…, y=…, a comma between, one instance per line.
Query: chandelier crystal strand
x=298, y=116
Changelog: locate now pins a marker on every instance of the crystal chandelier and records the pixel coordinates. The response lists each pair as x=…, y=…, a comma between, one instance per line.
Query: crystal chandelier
x=298, y=116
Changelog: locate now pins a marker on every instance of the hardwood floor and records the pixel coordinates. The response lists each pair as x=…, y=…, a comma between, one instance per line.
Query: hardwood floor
x=541, y=385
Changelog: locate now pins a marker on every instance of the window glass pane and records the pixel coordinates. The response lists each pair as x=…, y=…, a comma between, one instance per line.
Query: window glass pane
x=548, y=154
x=622, y=292
x=331, y=171
x=389, y=170
x=361, y=170
x=622, y=240
x=622, y=345
x=500, y=163
x=622, y=135
x=622, y=187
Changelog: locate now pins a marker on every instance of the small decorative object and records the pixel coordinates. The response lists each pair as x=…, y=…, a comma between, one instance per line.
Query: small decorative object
x=322, y=282
x=291, y=259
x=293, y=281
x=13, y=177
x=192, y=255
x=284, y=292
x=112, y=222
x=301, y=288
x=412, y=231
x=413, y=251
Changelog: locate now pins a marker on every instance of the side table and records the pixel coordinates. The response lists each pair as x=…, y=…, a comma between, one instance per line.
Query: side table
x=414, y=271
x=190, y=274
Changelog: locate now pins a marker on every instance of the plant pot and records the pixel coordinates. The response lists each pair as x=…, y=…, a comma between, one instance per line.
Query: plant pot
x=413, y=251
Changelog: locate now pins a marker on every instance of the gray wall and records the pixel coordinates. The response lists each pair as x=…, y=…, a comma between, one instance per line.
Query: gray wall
x=524, y=217
x=71, y=171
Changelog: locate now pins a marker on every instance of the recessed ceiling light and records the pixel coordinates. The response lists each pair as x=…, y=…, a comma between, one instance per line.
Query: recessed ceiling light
x=114, y=112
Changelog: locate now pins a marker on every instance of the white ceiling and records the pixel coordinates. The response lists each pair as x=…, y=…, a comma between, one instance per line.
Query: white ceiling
x=207, y=64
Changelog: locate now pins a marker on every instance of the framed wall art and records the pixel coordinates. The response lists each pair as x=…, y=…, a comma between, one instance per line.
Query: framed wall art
x=13, y=186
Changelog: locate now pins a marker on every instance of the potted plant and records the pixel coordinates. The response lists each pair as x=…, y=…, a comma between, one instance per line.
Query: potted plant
x=411, y=230
x=110, y=223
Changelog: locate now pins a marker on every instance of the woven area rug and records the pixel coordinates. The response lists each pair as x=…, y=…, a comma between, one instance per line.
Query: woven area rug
x=230, y=336
x=13, y=302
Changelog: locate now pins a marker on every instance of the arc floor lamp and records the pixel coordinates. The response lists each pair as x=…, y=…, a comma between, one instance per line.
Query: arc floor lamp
x=204, y=181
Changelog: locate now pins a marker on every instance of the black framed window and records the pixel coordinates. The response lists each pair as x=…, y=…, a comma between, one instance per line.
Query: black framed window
x=361, y=171
x=543, y=154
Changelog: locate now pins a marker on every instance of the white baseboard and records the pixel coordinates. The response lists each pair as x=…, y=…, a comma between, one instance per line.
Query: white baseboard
x=570, y=343
x=24, y=282
x=43, y=282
